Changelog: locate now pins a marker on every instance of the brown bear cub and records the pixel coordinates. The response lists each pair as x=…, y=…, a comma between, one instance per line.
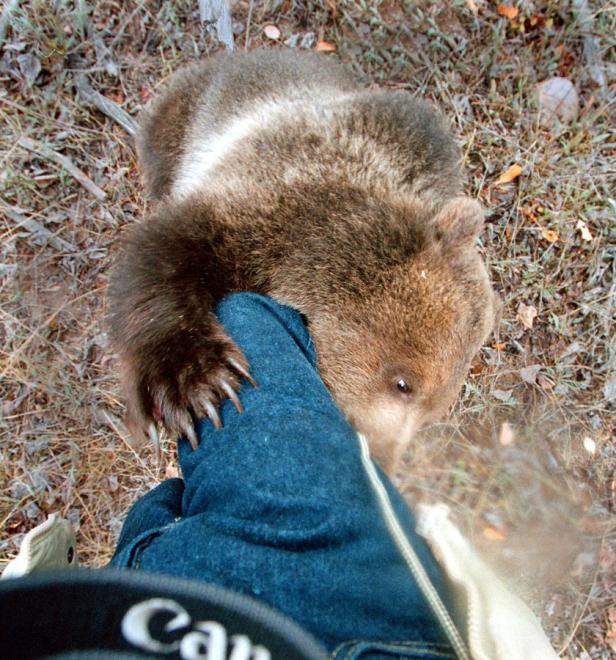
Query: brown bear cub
x=275, y=172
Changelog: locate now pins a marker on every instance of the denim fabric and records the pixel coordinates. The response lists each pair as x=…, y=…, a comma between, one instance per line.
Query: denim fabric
x=276, y=504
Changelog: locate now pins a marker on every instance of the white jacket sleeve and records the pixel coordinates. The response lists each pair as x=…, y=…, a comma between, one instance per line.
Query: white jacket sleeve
x=499, y=625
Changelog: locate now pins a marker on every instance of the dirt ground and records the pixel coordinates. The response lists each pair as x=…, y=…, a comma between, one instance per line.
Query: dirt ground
x=527, y=459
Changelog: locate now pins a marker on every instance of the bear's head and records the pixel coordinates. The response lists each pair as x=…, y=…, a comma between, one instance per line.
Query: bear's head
x=396, y=359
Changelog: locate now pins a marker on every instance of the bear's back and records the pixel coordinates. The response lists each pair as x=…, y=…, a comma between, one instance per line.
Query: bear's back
x=270, y=116
x=200, y=101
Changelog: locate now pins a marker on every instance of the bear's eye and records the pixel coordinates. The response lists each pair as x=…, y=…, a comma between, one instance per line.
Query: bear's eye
x=402, y=385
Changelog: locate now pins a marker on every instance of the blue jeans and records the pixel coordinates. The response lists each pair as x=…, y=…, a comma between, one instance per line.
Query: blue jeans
x=277, y=505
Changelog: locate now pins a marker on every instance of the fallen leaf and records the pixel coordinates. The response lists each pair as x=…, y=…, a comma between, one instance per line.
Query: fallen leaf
x=500, y=345
x=509, y=175
x=609, y=389
x=590, y=445
x=611, y=633
x=30, y=67
x=472, y=6
x=607, y=561
x=529, y=374
x=526, y=315
x=582, y=227
x=145, y=93
x=529, y=213
x=507, y=12
x=574, y=348
x=333, y=8
x=558, y=100
x=9, y=407
x=544, y=382
x=479, y=367
x=550, y=235
x=118, y=97
x=502, y=395
x=611, y=615
x=171, y=471
x=325, y=47
x=308, y=41
x=271, y=32
x=506, y=435
x=493, y=534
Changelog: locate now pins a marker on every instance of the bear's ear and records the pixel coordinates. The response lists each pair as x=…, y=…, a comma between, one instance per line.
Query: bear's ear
x=458, y=223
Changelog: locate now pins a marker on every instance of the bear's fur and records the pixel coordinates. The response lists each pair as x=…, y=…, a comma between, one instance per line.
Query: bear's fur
x=274, y=172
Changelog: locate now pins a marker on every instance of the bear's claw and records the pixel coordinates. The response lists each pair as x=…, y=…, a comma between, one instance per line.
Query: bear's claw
x=175, y=397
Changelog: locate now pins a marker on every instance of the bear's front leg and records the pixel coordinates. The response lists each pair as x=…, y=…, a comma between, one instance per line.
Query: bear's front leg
x=177, y=362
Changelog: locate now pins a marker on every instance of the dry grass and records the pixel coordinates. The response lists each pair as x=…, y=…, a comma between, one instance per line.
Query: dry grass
x=541, y=506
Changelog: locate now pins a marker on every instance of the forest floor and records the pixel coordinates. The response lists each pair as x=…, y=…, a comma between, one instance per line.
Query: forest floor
x=527, y=459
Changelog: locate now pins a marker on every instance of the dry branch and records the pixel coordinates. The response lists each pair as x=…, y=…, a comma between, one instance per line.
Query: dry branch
x=5, y=19
x=90, y=96
x=40, y=234
x=46, y=152
x=216, y=14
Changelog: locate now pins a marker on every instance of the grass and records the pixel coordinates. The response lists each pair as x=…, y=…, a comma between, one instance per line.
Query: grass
x=537, y=502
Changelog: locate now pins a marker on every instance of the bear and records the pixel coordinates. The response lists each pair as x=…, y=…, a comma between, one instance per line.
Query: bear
x=274, y=171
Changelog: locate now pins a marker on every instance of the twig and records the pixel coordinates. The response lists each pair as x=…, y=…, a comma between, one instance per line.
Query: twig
x=591, y=50
x=571, y=635
x=9, y=8
x=90, y=96
x=49, y=154
x=121, y=431
x=38, y=231
x=216, y=14
x=9, y=407
x=248, y=20
x=119, y=32
x=36, y=332
x=27, y=110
